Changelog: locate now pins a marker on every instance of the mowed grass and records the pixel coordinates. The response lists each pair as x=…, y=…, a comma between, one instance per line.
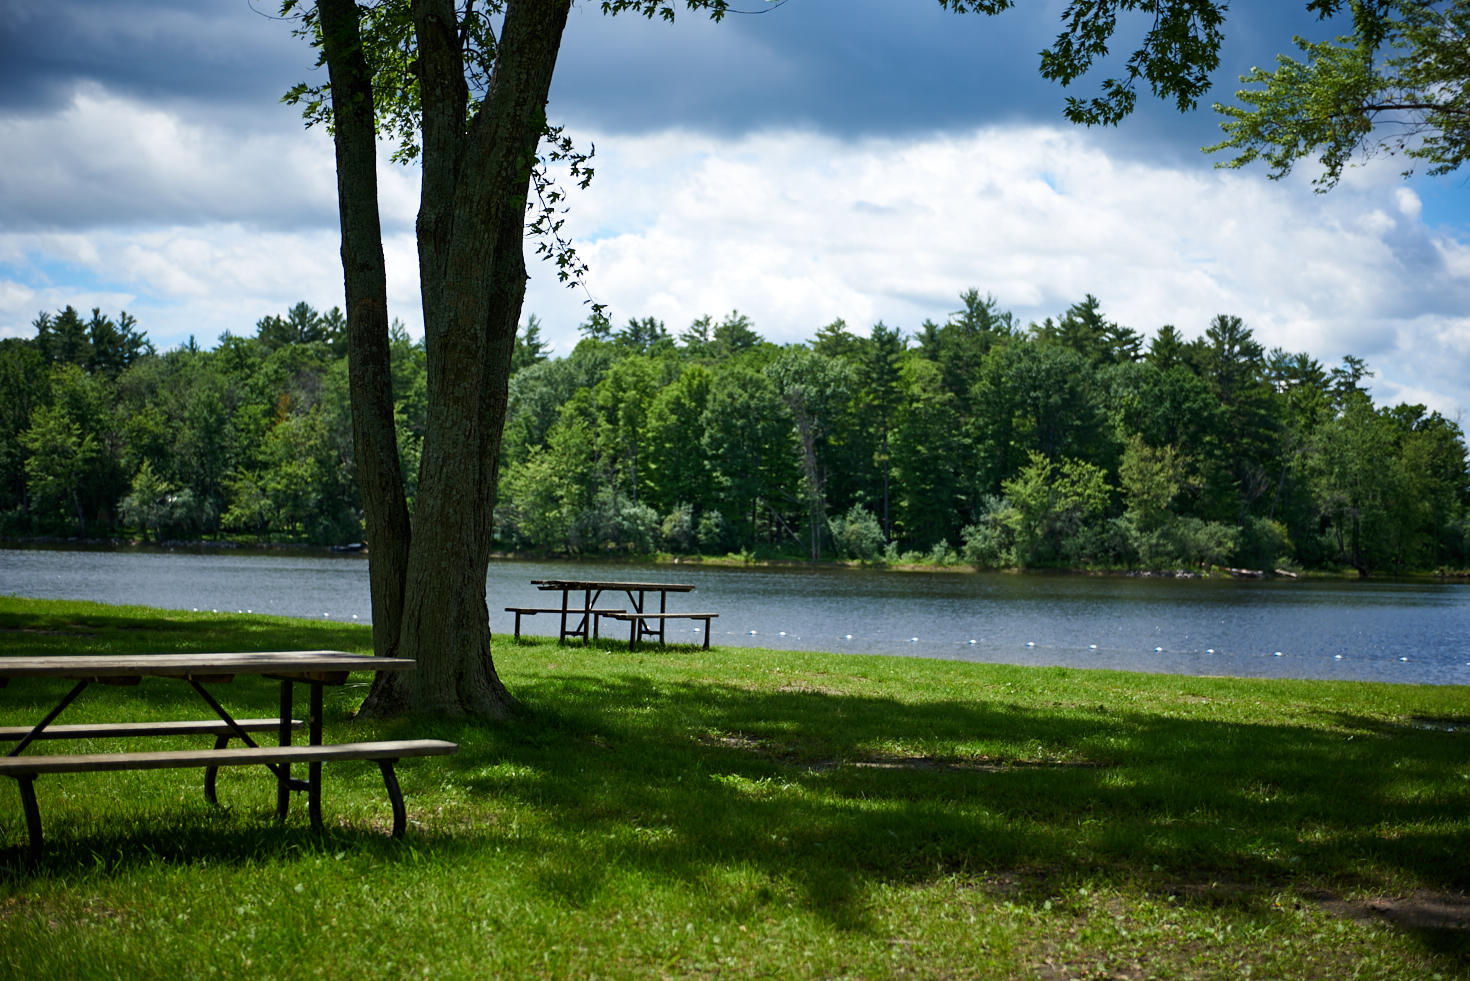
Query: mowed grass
x=740, y=813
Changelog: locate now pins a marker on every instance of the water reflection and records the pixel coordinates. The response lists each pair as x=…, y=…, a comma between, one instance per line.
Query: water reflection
x=1390, y=631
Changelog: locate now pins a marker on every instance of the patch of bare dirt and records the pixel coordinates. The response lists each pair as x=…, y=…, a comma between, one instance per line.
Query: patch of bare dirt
x=1421, y=910
x=803, y=686
x=732, y=741
x=983, y=764
x=1439, y=724
x=1219, y=892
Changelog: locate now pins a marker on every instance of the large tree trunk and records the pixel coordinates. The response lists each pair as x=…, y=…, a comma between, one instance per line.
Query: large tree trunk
x=369, y=363
x=472, y=277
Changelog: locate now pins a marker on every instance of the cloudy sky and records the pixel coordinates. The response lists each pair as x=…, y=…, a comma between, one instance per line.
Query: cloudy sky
x=863, y=159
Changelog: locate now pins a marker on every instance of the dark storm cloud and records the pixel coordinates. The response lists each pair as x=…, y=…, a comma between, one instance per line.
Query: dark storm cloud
x=876, y=68
x=129, y=113
x=224, y=51
x=846, y=67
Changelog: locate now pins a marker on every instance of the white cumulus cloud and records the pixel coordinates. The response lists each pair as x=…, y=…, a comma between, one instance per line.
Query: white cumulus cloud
x=196, y=229
x=797, y=229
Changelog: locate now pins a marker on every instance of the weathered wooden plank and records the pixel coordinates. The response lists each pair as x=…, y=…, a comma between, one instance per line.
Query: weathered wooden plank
x=244, y=756
x=662, y=616
x=583, y=584
x=533, y=610
x=110, y=730
x=183, y=665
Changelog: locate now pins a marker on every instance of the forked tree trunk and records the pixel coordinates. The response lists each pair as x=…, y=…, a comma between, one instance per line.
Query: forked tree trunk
x=369, y=363
x=472, y=278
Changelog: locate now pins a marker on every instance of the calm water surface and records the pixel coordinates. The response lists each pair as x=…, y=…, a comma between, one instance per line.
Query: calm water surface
x=1382, y=631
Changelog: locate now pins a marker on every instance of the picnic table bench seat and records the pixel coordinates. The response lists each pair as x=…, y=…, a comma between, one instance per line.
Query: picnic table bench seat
x=531, y=611
x=218, y=728
x=638, y=631
x=110, y=730
x=25, y=769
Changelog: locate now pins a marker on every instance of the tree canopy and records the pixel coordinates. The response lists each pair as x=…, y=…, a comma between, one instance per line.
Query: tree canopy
x=1395, y=85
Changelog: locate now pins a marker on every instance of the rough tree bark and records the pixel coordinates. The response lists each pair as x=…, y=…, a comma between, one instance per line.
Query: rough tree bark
x=364, y=274
x=471, y=227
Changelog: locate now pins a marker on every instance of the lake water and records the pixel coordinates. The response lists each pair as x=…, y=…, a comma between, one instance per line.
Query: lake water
x=1383, y=631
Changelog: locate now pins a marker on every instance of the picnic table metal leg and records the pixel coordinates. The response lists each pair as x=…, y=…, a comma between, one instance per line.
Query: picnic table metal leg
x=635, y=632
x=33, y=818
x=563, y=617
x=593, y=600
x=395, y=795
x=706, y=633
x=281, y=770
x=50, y=718
x=314, y=768
x=210, y=772
x=283, y=773
x=518, y=626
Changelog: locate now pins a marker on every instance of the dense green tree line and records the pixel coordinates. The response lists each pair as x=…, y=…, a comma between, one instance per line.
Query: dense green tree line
x=1068, y=442
x=102, y=434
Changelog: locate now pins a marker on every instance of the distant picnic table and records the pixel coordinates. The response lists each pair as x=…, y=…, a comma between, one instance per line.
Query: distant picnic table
x=581, y=620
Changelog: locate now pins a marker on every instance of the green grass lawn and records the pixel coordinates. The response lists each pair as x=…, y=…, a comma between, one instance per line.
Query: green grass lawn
x=743, y=813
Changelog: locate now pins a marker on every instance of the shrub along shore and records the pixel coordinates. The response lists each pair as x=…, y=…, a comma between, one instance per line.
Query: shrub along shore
x=748, y=813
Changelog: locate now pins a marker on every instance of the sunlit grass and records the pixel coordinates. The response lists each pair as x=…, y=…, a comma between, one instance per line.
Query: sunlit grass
x=752, y=813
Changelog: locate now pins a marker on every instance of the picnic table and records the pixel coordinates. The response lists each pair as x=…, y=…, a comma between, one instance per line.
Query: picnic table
x=641, y=617
x=314, y=668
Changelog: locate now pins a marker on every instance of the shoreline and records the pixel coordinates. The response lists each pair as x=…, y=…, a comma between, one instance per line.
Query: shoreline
x=736, y=560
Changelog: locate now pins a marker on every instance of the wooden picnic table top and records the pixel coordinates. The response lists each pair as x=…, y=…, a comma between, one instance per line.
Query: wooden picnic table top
x=667, y=587
x=184, y=665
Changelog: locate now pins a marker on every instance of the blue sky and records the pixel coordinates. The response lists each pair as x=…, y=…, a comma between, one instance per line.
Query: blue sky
x=866, y=159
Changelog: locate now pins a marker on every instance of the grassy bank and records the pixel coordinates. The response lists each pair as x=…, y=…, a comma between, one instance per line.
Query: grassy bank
x=758, y=814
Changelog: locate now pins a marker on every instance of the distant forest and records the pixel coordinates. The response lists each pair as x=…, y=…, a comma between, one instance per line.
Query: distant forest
x=1066, y=443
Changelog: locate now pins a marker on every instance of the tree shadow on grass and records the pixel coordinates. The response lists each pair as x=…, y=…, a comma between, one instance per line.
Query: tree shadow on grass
x=682, y=778
x=181, y=835
x=830, y=794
